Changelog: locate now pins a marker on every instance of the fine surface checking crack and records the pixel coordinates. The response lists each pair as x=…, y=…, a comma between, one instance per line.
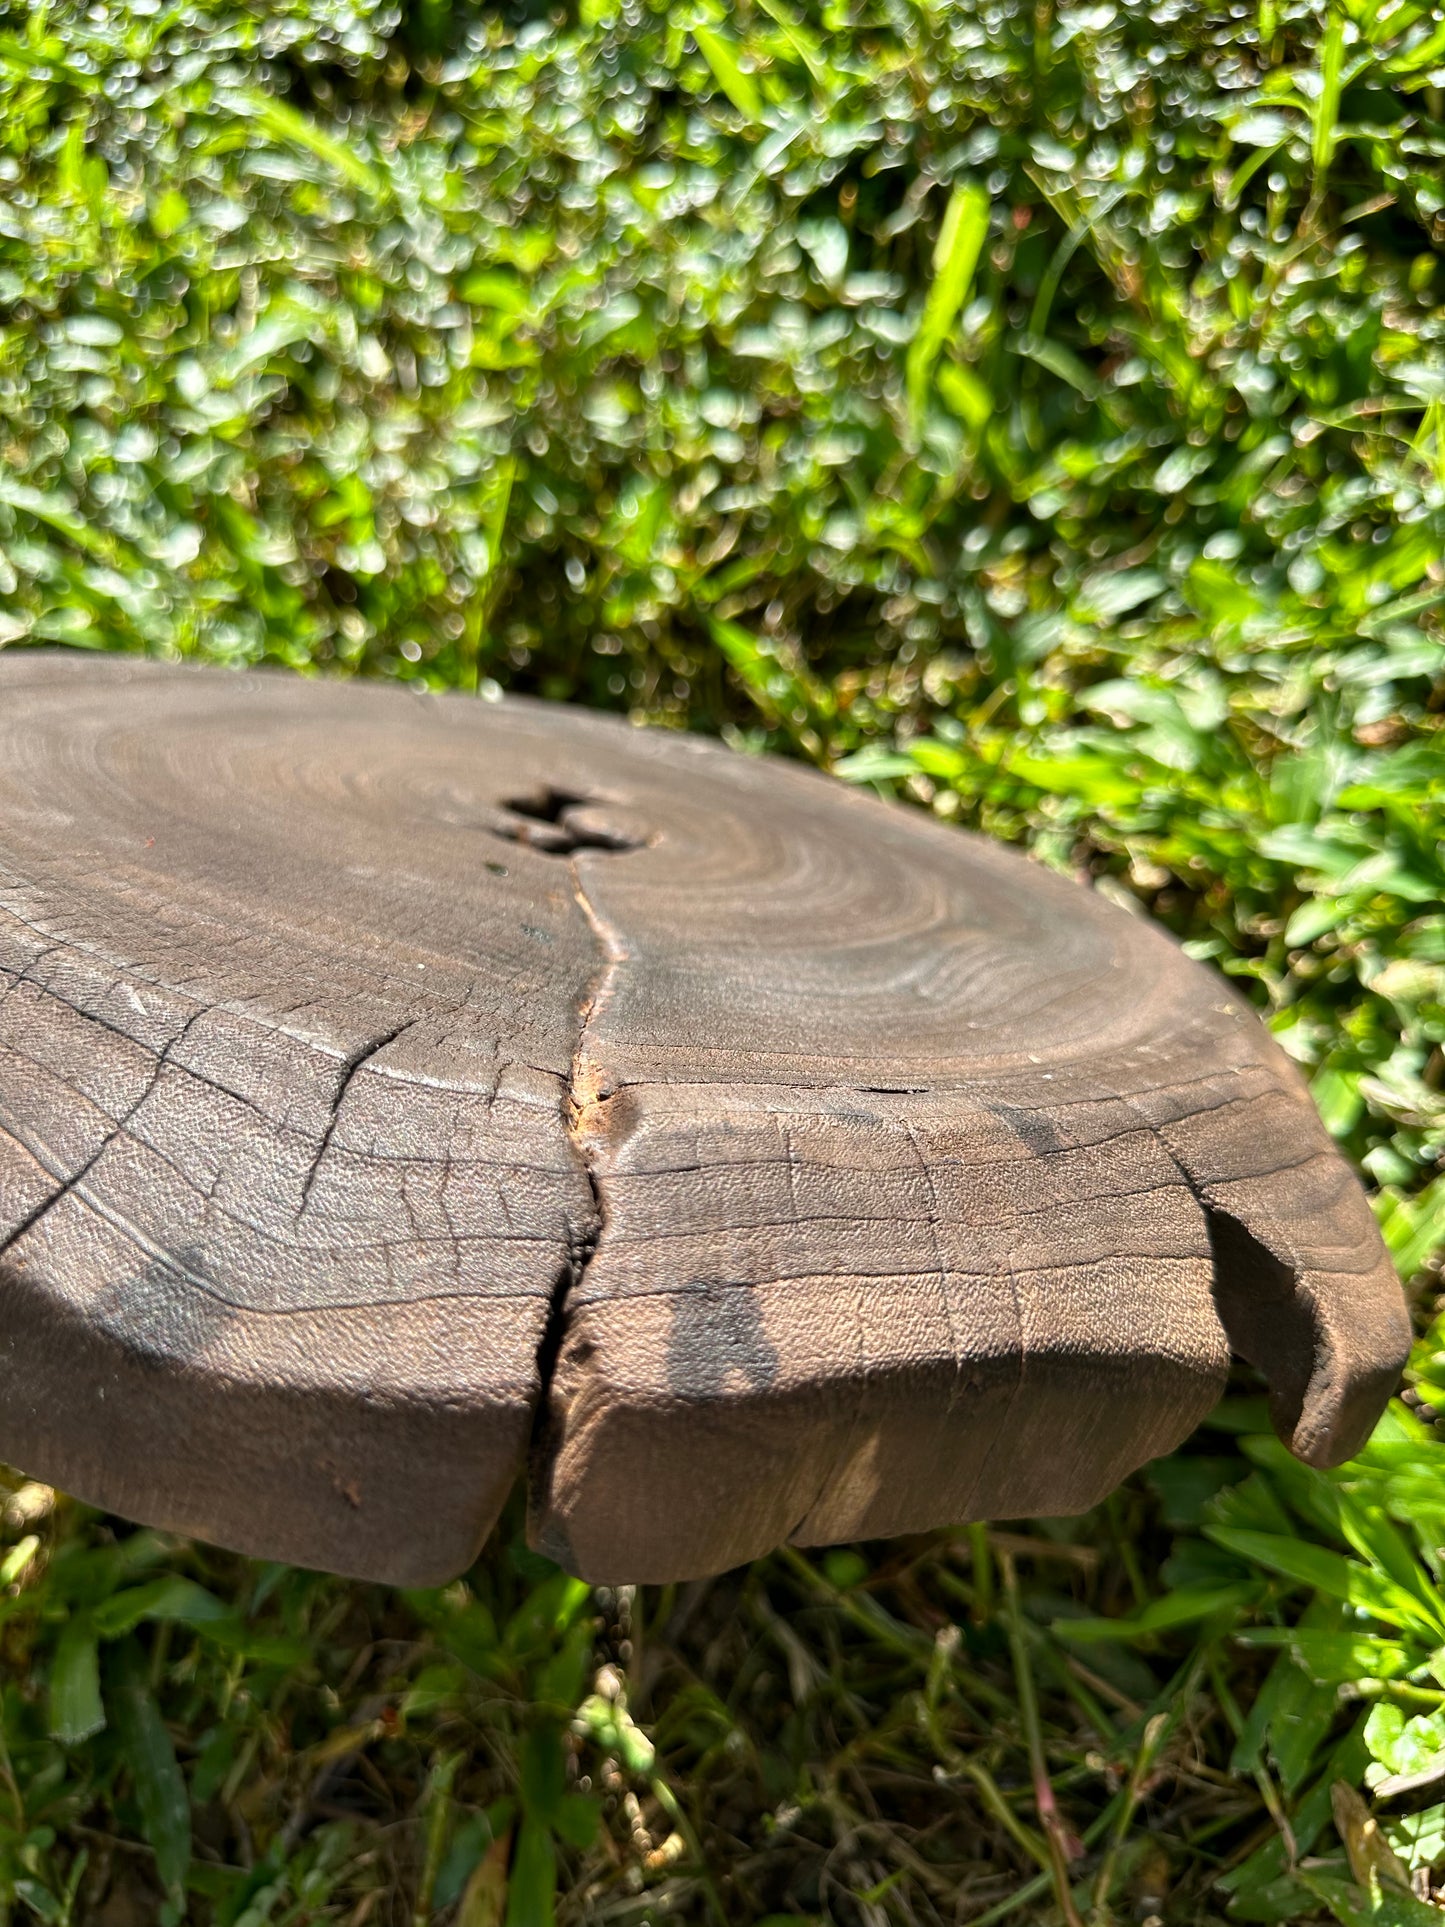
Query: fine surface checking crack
x=358, y=1058
x=76, y=1178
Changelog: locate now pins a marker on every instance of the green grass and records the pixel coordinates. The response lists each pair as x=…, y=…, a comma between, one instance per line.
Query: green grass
x=1037, y=412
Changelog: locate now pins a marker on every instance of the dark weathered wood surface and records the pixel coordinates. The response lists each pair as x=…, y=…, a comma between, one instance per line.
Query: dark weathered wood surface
x=392, y=1086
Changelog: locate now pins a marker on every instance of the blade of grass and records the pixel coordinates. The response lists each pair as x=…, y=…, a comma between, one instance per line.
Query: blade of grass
x=288, y=127
x=720, y=52
x=1052, y=1821
x=160, y=1787
x=1326, y=105
x=1154, y=1736
x=960, y=241
x=76, y=1708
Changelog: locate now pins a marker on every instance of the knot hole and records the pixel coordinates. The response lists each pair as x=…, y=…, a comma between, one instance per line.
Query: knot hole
x=547, y=820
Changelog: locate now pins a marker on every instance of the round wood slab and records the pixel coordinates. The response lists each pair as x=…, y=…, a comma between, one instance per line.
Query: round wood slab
x=396, y=1090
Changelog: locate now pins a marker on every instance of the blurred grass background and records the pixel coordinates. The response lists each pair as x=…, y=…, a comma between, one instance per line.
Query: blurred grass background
x=1034, y=411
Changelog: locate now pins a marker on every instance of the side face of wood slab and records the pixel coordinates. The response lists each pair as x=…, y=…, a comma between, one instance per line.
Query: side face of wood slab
x=395, y=1090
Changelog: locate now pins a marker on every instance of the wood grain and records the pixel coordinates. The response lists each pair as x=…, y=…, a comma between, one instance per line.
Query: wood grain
x=392, y=1087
